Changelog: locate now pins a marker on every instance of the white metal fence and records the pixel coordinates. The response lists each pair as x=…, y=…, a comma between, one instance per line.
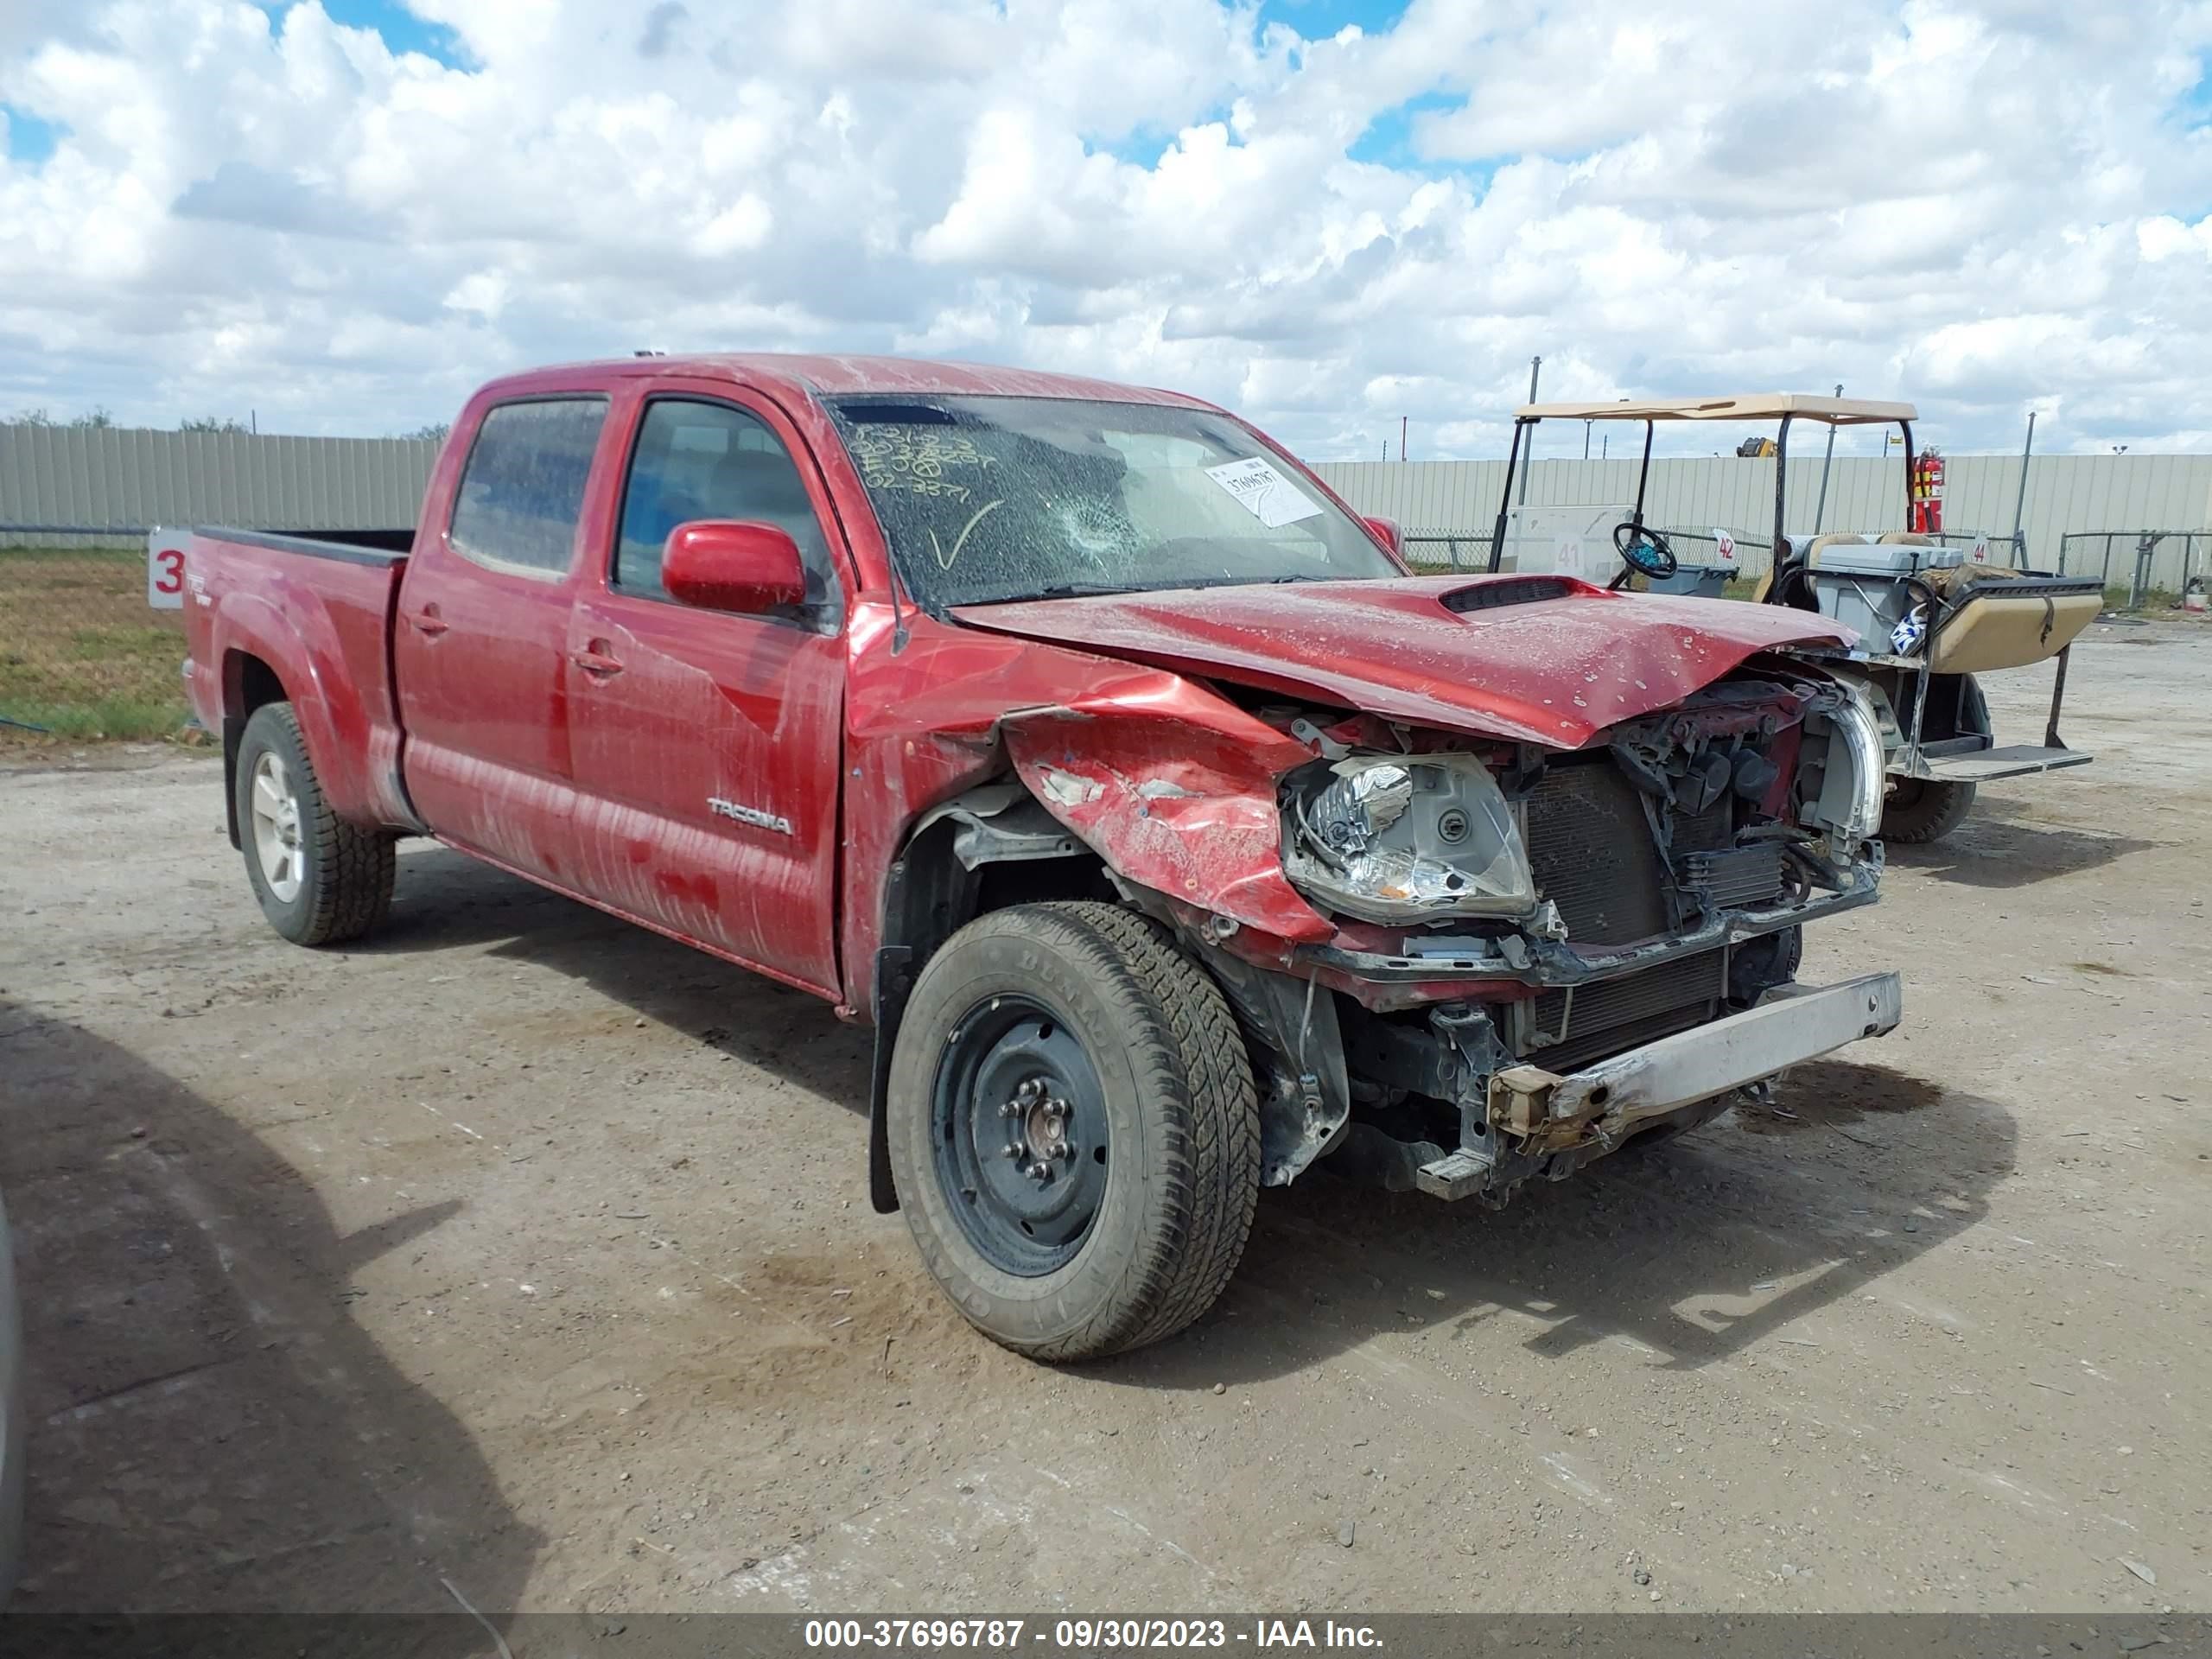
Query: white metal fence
x=120, y=482
x=2121, y=493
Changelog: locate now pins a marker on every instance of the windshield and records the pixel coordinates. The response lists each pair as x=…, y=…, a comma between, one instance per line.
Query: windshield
x=988, y=499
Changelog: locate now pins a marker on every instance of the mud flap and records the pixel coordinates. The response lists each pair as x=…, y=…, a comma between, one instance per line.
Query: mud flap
x=894, y=979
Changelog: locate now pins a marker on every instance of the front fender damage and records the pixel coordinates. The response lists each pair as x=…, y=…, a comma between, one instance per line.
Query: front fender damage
x=1186, y=811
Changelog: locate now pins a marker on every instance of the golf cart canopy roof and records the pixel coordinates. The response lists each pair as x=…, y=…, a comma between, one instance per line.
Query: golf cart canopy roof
x=1755, y=406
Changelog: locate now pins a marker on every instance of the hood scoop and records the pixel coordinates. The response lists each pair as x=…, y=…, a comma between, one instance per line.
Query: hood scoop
x=1496, y=594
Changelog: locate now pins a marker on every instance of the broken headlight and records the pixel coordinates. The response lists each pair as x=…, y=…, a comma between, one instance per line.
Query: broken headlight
x=1405, y=838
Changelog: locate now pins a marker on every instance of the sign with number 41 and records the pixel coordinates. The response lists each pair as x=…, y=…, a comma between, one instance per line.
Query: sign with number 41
x=165, y=550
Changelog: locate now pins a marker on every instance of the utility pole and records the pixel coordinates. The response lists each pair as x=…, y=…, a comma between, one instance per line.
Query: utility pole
x=1401, y=438
x=2020, y=503
x=1585, y=439
x=1536, y=368
x=1826, y=462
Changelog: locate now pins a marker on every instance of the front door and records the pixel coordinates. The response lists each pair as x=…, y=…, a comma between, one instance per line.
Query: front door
x=707, y=745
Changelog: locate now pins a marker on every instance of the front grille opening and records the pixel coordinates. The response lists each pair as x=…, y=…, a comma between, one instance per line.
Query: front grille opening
x=1614, y=1014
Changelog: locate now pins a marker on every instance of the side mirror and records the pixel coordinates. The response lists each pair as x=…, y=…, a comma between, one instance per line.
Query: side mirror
x=1389, y=533
x=722, y=564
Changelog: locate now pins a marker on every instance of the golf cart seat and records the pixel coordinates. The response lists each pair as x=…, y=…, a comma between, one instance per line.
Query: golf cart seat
x=1999, y=619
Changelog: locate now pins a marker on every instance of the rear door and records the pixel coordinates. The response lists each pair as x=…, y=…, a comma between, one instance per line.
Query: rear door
x=480, y=647
x=707, y=745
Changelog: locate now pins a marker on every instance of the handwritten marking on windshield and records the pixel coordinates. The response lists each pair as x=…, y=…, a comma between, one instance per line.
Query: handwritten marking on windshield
x=945, y=559
x=915, y=460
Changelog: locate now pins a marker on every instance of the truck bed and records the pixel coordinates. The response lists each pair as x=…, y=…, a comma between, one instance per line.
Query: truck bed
x=312, y=609
x=350, y=546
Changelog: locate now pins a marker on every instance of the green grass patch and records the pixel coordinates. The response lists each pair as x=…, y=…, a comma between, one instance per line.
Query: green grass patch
x=81, y=653
x=120, y=719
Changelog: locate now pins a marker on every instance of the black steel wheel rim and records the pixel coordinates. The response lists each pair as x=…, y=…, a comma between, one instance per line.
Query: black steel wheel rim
x=1019, y=1135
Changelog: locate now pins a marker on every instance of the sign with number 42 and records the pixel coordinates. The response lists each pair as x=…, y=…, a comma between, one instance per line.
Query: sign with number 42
x=165, y=550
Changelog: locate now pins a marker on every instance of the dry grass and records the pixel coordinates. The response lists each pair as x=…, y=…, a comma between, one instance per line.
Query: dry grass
x=82, y=656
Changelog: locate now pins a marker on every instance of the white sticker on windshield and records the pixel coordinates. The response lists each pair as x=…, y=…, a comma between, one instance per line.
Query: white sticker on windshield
x=1265, y=494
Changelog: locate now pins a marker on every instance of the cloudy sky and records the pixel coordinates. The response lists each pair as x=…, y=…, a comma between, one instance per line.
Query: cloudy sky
x=342, y=215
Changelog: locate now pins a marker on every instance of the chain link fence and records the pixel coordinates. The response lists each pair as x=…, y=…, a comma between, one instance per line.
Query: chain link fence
x=2140, y=567
x=82, y=655
x=1444, y=549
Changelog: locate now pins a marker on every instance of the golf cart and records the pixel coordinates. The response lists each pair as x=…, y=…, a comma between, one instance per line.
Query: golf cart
x=1929, y=617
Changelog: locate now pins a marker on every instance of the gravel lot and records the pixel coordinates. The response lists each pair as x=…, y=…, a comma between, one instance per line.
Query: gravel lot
x=526, y=1250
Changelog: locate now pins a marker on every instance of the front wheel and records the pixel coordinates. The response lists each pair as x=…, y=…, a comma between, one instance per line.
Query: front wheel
x=1920, y=810
x=1073, y=1130
x=320, y=879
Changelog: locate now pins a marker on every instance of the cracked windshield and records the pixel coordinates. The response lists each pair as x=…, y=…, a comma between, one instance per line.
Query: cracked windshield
x=987, y=499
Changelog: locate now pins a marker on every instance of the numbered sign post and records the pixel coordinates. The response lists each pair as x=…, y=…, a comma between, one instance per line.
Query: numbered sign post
x=165, y=551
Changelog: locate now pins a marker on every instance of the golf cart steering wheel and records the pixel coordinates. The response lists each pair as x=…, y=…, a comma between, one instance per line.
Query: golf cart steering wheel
x=1644, y=550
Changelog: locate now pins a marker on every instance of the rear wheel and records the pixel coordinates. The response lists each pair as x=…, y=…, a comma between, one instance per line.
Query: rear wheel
x=1073, y=1130
x=1923, y=810
x=320, y=879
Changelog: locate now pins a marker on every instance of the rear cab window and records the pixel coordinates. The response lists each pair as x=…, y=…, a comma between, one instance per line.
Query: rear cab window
x=522, y=489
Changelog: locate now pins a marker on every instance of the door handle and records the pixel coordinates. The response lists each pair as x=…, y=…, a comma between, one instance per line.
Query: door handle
x=595, y=660
x=426, y=620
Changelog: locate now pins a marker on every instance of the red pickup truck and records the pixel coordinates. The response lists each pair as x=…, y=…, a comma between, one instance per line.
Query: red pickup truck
x=1172, y=834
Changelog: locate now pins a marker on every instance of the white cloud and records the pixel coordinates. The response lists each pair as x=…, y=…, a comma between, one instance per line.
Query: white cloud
x=1974, y=205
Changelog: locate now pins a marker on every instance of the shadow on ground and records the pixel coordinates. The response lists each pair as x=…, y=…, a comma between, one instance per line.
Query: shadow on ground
x=1691, y=1249
x=210, y=1431
x=447, y=902
x=1695, y=1248
x=1996, y=849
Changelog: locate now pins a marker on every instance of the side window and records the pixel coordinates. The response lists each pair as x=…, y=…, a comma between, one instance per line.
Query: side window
x=523, y=489
x=708, y=460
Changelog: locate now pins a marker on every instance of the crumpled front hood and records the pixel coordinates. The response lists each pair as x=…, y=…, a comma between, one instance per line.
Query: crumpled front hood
x=1550, y=671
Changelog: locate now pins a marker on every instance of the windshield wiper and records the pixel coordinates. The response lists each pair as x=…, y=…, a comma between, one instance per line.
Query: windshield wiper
x=1095, y=589
x=1089, y=589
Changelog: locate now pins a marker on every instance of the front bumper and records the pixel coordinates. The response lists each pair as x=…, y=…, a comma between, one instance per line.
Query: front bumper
x=1477, y=969
x=1593, y=1110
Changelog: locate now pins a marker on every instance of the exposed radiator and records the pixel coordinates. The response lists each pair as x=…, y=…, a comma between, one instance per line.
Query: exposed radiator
x=1749, y=876
x=1617, y=1013
x=1591, y=850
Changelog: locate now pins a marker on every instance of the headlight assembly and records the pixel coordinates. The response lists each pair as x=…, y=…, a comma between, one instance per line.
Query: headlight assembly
x=1406, y=838
x=1853, y=774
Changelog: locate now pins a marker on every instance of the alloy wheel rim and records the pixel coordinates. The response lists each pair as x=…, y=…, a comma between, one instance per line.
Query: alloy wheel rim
x=277, y=839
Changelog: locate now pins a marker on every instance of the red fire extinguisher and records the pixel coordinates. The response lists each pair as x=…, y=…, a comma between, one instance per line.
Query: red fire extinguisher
x=1928, y=492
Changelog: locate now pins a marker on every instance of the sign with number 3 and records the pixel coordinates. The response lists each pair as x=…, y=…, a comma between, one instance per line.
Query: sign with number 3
x=165, y=550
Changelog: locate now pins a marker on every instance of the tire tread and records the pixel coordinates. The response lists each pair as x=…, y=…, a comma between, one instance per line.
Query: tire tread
x=1189, y=1058
x=357, y=867
x=1937, y=809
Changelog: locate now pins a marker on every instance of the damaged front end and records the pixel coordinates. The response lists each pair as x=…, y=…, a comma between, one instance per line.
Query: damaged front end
x=1518, y=957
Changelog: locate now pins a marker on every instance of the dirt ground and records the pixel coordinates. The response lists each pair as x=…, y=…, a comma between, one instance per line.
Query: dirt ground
x=523, y=1248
